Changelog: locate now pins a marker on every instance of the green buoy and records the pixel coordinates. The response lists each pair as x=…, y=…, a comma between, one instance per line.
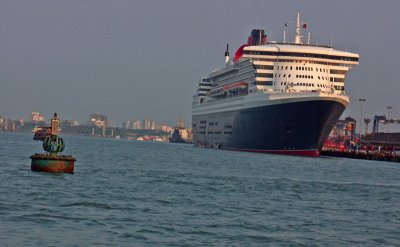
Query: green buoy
x=52, y=161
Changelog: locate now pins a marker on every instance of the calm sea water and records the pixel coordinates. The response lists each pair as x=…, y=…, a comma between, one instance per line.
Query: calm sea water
x=159, y=194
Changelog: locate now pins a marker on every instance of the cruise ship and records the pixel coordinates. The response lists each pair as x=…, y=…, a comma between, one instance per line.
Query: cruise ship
x=273, y=97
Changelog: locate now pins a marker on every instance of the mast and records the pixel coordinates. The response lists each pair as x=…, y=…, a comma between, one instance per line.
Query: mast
x=284, y=36
x=297, y=37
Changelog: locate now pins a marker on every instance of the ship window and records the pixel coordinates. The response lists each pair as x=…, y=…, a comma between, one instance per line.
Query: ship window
x=228, y=132
x=338, y=71
x=286, y=67
x=290, y=67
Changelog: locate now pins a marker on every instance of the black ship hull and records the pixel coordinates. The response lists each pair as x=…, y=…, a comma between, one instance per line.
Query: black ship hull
x=298, y=128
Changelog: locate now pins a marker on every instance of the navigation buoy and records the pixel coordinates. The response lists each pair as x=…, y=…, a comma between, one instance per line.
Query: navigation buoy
x=52, y=161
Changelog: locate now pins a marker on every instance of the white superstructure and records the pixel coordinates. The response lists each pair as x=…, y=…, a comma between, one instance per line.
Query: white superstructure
x=273, y=67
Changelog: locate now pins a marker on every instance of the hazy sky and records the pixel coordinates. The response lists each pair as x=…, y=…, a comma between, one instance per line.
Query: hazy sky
x=142, y=59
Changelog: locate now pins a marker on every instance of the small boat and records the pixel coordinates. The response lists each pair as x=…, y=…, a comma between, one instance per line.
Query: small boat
x=41, y=132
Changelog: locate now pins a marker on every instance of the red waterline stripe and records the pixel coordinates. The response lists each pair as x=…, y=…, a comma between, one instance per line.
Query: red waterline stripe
x=307, y=152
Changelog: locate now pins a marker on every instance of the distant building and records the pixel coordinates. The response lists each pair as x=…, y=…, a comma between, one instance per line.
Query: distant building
x=127, y=125
x=146, y=124
x=71, y=123
x=36, y=117
x=137, y=124
x=132, y=125
x=98, y=120
x=165, y=128
x=152, y=125
x=7, y=124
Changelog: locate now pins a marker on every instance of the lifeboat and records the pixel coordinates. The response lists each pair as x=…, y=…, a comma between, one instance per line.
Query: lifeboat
x=236, y=85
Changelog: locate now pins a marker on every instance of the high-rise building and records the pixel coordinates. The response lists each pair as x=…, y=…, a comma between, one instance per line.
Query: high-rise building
x=146, y=124
x=137, y=124
x=132, y=125
x=152, y=125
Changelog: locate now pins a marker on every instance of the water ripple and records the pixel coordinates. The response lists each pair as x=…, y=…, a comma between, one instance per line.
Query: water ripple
x=148, y=194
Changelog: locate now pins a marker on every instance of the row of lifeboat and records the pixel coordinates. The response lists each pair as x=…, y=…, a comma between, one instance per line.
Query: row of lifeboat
x=229, y=88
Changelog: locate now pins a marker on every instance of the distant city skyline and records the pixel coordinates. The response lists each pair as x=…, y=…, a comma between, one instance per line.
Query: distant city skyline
x=143, y=59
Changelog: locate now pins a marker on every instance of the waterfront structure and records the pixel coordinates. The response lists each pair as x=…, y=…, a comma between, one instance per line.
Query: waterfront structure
x=98, y=120
x=274, y=97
